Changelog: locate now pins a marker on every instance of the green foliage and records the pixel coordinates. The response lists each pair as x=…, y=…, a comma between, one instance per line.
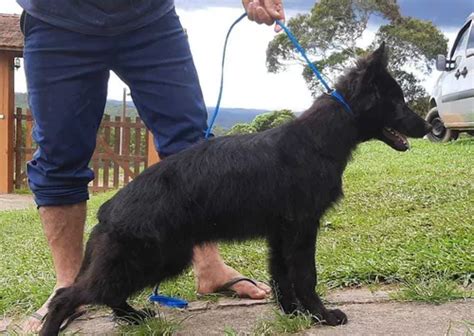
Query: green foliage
x=330, y=33
x=263, y=122
x=269, y=120
x=421, y=105
x=241, y=128
x=282, y=323
x=218, y=130
x=431, y=290
x=156, y=326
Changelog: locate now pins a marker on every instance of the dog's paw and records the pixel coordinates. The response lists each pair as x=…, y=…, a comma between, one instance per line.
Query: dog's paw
x=334, y=317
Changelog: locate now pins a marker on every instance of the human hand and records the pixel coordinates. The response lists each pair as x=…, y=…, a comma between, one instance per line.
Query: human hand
x=265, y=11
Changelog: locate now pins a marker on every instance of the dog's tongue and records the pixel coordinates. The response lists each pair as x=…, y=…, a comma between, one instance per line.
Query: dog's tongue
x=398, y=140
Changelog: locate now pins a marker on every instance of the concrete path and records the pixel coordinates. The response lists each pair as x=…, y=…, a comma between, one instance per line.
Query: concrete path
x=369, y=314
x=16, y=202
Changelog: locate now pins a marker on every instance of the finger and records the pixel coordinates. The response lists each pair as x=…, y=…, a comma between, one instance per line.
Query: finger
x=251, y=11
x=263, y=16
x=274, y=8
x=246, y=3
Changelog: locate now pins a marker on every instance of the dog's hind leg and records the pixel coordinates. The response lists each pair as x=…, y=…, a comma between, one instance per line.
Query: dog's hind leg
x=281, y=283
x=300, y=258
x=63, y=304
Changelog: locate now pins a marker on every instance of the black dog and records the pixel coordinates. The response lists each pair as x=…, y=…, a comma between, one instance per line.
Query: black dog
x=276, y=184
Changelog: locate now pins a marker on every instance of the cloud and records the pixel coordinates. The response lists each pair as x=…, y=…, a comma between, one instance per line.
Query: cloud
x=247, y=82
x=452, y=13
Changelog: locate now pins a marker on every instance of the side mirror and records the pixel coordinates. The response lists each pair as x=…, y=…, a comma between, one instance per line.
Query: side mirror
x=441, y=63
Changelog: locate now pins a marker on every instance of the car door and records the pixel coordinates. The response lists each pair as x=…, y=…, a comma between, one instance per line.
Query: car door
x=457, y=89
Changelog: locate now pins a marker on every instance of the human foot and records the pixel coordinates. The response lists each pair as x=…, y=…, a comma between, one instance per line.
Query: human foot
x=222, y=277
x=33, y=323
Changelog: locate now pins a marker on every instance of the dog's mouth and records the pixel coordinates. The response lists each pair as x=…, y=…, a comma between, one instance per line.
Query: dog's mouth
x=395, y=139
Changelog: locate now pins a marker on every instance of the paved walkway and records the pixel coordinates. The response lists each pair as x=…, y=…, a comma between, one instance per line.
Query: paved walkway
x=16, y=202
x=369, y=314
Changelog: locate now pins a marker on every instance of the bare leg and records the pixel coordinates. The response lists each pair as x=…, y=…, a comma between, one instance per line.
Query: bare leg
x=64, y=230
x=212, y=273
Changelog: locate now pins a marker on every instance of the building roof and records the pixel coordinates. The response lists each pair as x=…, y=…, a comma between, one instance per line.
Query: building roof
x=11, y=38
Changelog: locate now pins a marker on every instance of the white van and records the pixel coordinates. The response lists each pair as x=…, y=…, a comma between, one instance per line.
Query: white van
x=452, y=101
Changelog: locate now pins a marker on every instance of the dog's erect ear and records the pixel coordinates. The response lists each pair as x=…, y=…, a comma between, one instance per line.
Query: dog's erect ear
x=374, y=64
x=379, y=57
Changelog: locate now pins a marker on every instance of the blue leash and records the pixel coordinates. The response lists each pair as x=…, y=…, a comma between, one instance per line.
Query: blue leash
x=332, y=92
x=219, y=98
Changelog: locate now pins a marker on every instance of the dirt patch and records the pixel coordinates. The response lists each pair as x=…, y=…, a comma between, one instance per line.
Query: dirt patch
x=16, y=202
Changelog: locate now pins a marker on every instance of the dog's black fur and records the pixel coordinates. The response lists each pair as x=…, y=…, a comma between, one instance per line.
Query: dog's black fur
x=275, y=184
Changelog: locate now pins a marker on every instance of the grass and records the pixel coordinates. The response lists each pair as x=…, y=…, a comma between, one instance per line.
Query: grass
x=157, y=326
x=281, y=324
x=430, y=290
x=456, y=328
x=407, y=218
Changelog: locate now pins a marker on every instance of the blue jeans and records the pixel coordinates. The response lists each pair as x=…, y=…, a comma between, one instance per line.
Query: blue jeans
x=67, y=75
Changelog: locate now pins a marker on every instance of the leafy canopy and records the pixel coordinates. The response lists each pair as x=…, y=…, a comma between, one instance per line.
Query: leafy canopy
x=263, y=122
x=331, y=35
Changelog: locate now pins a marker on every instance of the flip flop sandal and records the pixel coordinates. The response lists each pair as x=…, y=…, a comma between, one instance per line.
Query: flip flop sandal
x=226, y=289
x=66, y=322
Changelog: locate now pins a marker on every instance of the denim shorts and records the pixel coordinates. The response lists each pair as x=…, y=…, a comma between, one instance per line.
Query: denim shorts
x=67, y=75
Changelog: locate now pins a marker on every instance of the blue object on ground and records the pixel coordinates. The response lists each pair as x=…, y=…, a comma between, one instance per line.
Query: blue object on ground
x=168, y=301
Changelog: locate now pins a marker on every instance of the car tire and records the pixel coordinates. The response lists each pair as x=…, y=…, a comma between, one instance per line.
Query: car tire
x=439, y=133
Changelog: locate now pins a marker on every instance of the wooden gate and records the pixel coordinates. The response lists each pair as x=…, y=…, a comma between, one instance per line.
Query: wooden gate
x=121, y=152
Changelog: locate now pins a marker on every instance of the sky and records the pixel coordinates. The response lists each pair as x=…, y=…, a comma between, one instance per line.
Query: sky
x=247, y=82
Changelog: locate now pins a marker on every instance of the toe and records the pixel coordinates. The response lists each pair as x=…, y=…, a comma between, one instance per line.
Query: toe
x=247, y=289
x=263, y=286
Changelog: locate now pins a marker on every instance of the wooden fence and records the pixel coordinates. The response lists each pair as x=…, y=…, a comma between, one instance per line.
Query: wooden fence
x=122, y=151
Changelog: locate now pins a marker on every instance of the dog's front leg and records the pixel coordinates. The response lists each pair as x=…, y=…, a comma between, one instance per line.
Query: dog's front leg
x=300, y=253
x=281, y=283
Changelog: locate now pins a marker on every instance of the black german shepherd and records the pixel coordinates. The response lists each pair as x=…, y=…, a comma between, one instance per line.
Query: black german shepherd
x=275, y=184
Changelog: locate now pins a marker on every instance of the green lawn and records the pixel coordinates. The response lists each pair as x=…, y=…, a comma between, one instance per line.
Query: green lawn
x=407, y=218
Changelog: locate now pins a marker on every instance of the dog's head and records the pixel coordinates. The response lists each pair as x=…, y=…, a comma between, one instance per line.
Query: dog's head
x=380, y=104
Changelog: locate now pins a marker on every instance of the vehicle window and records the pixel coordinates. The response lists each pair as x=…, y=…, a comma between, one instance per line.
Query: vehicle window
x=470, y=42
x=460, y=45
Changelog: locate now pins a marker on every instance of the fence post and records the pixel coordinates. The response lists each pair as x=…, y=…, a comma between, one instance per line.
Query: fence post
x=152, y=155
x=6, y=122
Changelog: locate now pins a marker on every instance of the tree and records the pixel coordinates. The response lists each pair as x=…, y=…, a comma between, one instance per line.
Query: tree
x=263, y=122
x=269, y=120
x=241, y=128
x=331, y=31
x=218, y=130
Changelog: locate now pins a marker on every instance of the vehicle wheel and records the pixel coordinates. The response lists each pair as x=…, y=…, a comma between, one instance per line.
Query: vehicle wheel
x=439, y=133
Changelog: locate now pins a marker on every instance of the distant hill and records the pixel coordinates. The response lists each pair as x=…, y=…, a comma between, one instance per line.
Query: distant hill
x=226, y=119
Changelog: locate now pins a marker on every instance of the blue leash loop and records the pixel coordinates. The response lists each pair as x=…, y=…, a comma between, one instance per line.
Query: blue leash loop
x=332, y=92
x=219, y=98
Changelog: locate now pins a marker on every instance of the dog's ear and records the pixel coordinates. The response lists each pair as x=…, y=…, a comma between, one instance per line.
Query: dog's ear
x=374, y=64
x=379, y=58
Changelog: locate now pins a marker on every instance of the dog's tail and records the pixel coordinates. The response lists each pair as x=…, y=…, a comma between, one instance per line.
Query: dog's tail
x=88, y=253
